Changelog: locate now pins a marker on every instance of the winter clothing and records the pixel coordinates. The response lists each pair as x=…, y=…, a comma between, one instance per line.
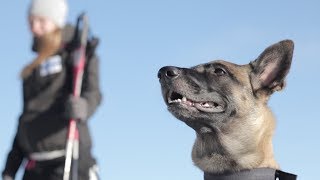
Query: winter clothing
x=43, y=125
x=253, y=174
x=53, y=170
x=55, y=10
x=7, y=178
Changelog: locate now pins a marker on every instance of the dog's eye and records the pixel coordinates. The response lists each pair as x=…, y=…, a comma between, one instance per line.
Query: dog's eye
x=219, y=71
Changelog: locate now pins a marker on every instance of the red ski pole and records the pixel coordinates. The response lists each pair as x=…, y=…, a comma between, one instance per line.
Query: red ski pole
x=79, y=58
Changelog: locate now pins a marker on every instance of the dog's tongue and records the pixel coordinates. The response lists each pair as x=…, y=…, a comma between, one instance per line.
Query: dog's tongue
x=208, y=107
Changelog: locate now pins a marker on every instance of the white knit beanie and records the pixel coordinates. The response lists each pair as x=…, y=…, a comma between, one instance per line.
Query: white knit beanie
x=55, y=10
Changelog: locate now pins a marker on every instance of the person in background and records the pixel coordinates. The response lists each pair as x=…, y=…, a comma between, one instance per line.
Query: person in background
x=48, y=105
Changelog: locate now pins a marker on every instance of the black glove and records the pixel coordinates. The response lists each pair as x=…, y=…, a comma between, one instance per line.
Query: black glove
x=7, y=177
x=76, y=108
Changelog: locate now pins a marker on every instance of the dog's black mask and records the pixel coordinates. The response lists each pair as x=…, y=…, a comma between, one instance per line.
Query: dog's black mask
x=196, y=95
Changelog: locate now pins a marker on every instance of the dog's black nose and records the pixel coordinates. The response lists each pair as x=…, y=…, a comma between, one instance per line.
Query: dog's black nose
x=168, y=72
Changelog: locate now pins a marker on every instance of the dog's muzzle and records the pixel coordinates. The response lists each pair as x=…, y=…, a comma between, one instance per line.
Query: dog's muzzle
x=173, y=96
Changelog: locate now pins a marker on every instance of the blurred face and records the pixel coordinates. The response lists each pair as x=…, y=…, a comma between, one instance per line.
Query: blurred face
x=40, y=26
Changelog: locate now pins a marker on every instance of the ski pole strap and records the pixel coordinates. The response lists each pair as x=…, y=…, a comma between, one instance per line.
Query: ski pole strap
x=254, y=174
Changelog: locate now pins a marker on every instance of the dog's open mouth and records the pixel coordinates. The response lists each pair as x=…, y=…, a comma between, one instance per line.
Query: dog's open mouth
x=208, y=106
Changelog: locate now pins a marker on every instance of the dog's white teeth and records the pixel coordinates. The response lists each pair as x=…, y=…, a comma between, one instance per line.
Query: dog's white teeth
x=184, y=99
x=176, y=101
x=206, y=105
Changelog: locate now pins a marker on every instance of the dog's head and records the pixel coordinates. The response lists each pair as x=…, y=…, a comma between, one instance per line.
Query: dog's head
x=208, y=96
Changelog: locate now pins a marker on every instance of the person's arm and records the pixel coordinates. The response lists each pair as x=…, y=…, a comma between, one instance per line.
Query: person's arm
x=13, y=162
x=83, y=107
x=91, y=86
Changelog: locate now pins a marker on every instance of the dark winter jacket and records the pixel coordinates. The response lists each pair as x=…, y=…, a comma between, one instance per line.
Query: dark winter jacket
x=43, y=125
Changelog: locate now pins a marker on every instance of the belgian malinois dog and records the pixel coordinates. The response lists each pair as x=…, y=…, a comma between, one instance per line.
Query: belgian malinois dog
x=226, y=104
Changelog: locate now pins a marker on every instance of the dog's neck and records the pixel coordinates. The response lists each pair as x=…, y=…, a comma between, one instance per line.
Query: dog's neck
x=229, y=151
x=209, y=154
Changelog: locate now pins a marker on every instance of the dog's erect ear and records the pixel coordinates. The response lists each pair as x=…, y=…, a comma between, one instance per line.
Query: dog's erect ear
x=271, y=67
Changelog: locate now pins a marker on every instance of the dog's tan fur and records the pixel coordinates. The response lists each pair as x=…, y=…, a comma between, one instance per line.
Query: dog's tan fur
x=243, y=140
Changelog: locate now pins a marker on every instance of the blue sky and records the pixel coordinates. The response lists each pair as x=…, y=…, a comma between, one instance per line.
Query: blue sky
x=134, y=135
